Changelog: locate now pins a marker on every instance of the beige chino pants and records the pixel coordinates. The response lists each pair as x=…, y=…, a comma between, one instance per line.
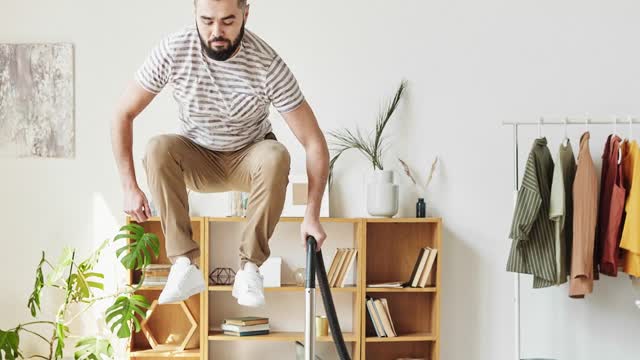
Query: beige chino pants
x=174, y=163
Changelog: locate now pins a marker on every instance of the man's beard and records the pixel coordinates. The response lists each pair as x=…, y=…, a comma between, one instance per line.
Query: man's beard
x=226, y=53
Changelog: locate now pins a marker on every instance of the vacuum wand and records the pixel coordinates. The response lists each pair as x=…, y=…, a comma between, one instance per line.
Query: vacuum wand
x=315, y=266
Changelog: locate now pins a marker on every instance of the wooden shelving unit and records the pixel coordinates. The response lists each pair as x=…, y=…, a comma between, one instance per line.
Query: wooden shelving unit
x=387, y=250
x=390, y=249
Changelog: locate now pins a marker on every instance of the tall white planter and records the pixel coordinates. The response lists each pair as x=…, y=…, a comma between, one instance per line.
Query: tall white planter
x=382, y=194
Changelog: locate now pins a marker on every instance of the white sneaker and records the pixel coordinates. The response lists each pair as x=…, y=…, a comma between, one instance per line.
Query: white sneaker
x=184, y=280
x=248, y=287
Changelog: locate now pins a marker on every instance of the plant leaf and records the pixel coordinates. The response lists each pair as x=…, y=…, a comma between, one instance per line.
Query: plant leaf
x=434, y=165
x=383, y=120
x=63, y=263
x=34, y=298
x=88, y=264
x=123, y=312
x=137, y=248
x=82, y=283
x=93, y=348
x=372, y=147
x=61, y=333
x=9, y=345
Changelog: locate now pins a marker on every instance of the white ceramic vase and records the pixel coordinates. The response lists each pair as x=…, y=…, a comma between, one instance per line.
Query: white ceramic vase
x=382, y=194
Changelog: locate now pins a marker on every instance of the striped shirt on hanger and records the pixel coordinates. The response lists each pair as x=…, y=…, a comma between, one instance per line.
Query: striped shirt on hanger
x=222, y=105
x=532, y=232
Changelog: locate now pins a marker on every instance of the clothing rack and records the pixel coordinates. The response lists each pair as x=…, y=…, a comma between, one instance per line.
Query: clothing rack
x=543, y=121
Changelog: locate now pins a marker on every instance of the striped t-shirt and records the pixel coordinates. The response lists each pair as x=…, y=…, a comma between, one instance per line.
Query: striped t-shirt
x=223, y=105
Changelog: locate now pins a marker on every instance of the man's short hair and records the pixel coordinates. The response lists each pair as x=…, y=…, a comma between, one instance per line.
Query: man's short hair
x=241, y=3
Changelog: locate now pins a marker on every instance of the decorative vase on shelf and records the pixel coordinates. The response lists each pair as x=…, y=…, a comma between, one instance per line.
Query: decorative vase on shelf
x=421, y=208
x=382, y=194
x=300, y=276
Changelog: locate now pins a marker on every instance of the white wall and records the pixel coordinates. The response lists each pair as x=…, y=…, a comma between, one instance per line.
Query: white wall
x=471, y=65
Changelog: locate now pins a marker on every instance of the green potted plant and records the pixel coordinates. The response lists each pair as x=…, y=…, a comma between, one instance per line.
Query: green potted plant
x=382, y=193
x=80, y=283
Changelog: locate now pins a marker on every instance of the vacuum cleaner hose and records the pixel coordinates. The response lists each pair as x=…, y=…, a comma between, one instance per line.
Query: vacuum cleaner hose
x=327, y=299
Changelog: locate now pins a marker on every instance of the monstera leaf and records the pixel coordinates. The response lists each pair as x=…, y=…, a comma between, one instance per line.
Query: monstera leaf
x=136, y=250
x=124, y=311
x=34, y=299
x=93, y=348
x=82, y=283
x=9, y=343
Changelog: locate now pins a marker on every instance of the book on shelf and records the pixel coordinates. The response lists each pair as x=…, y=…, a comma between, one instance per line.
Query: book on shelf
x=377, y=323
x=242, y=329
x=392, y=284
x=385, y=304
x=422, y=274
x=427, y=273
x=385, y=317
x=154, y=283
x=245, y=326
x=246, y=321
x=381, y=317
x=247, y=333
x=332, y=267
x=341, y=264
x=336, y=264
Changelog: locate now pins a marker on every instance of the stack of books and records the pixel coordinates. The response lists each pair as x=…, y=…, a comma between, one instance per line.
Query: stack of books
x=422, y=274
x=378, y=310
x=246, y=326
x=342, y=263
x=155, y=275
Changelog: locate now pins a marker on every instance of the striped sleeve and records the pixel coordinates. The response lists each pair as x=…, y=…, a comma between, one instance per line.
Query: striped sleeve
x=155, y=72
x=282, y=87
x=528, y=204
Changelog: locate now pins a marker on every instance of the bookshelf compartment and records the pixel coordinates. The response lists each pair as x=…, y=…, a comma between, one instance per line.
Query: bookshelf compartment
x=393, y=248
x=224, y=243
x=412, y=313
x=285, y=312
x=165, y=325
x=169, y=327
x=390, y=351
x=156, y=228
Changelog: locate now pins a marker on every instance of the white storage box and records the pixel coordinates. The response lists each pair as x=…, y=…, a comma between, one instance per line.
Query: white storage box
x=271, y=271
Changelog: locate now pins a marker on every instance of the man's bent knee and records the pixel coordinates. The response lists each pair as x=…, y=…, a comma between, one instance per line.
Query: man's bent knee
x=159, y=149
x=276, y=159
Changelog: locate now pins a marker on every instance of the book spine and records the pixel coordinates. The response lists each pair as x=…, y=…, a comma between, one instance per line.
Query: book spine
x=415, y=267
x=246, y=333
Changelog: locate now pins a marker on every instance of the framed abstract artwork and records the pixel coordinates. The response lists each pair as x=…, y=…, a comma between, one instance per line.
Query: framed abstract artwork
x=37, y=101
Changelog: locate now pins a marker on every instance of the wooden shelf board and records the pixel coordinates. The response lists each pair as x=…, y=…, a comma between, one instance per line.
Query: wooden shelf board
x=189, y=353
x=284, y=288
x=285, y=219
x=401, y=290
x=157, y=218
x=276, y=336
x=403, y=220
x=403, y=338
x=150, y=287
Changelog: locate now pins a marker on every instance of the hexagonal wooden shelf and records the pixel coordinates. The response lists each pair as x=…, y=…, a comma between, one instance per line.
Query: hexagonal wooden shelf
x=169, y=327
